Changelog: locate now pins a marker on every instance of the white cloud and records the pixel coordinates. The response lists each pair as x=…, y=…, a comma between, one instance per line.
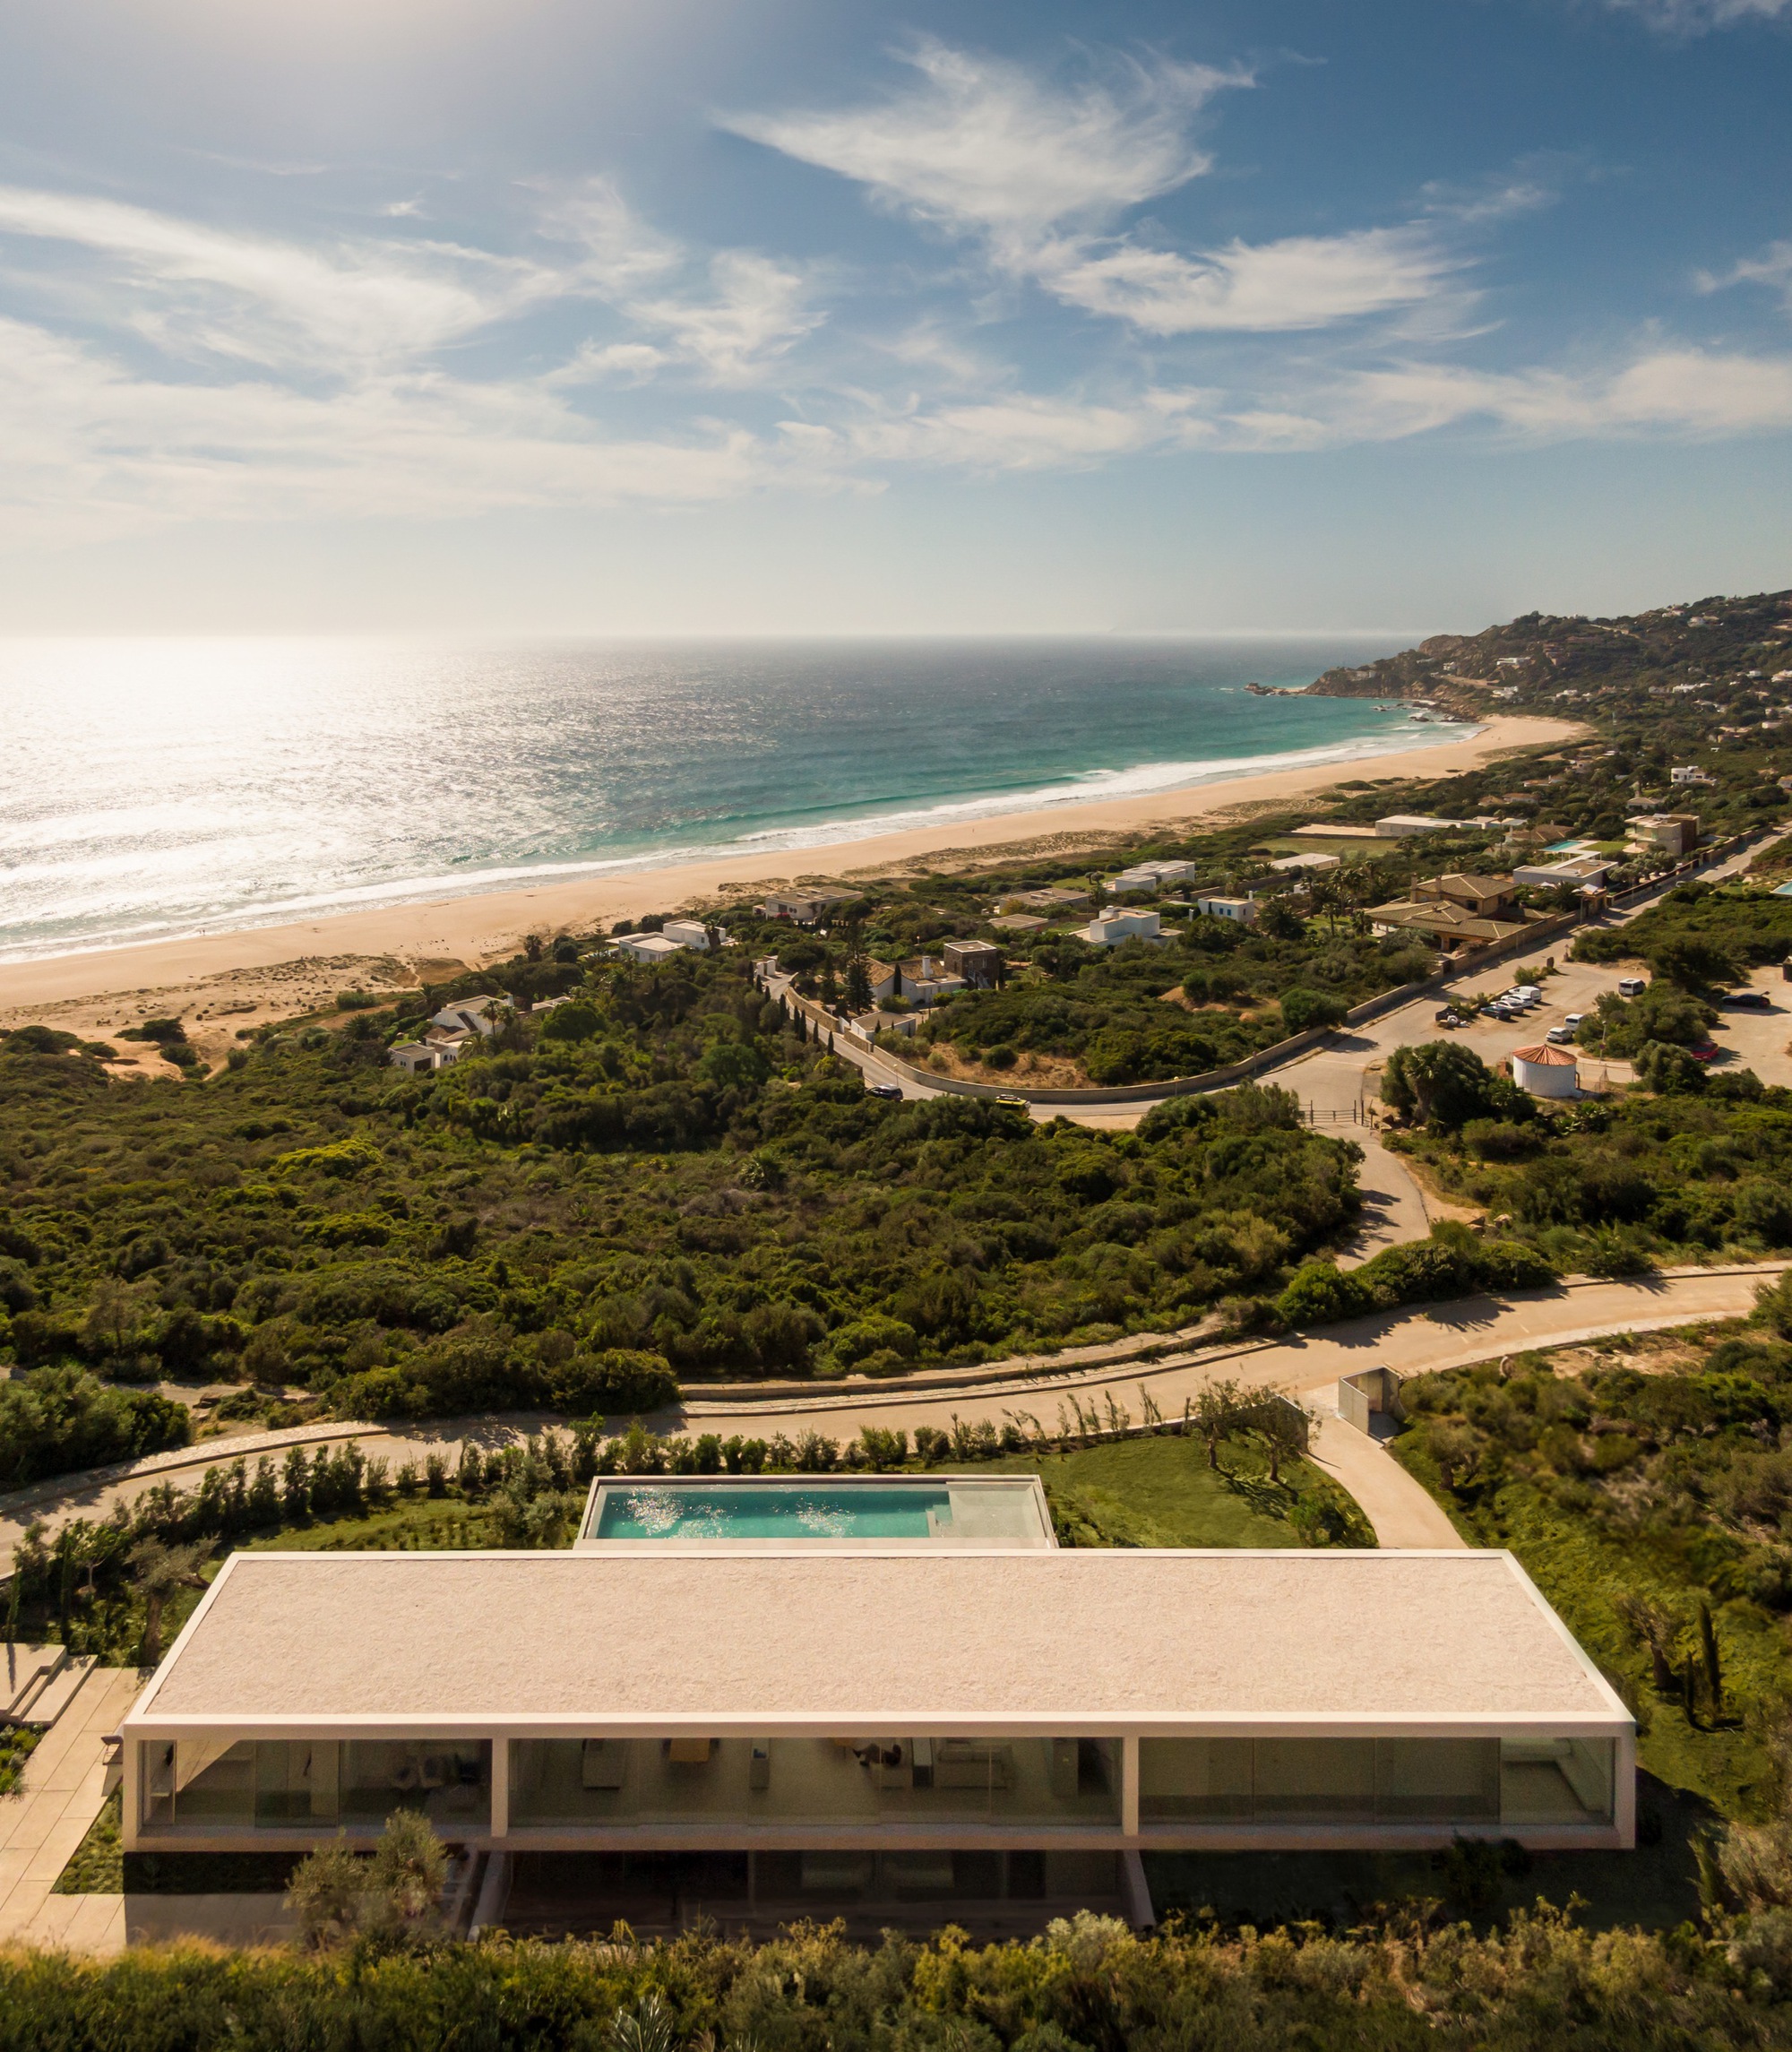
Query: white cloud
x=93, y=450
x=1025, y=431
x=1302, y=281
x=758, y=312
x=618, y=253
x=1033, y=170
x=1772, y=268
x=198, y=289
x=1697, y=17
x=982, y=147
x=1682, y=392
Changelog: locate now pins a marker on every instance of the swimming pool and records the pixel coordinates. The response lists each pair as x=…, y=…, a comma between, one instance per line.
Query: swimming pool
x=782, y=1510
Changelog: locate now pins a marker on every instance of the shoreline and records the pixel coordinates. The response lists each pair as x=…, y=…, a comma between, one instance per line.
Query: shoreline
x=252, y=973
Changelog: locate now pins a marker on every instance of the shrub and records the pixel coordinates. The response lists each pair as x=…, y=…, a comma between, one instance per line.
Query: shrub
x=1499, y=1139
x=1303, y=1008
x=1445, y=1084
x=1618, y=1251
x=1322, y=1294
x=571, y=1021
x=870, y=1336
x=616, y=1383
x=1670, y=1071
x=61, y=1418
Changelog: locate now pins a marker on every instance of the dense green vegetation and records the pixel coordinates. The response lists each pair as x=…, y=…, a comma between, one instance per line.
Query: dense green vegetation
x=1088, y=1983
x=1699, y=936
x=1142, y=1012
x=1646, y=1487
x=551, y=1222
x=1701, y=1164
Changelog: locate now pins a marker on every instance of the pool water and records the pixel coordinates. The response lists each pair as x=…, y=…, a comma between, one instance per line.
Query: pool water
x=773, y=1510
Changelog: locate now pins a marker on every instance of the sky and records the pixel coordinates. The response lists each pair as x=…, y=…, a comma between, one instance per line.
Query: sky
x=656, y=317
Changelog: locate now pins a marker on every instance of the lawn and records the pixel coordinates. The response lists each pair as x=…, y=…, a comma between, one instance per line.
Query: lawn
x=1161, y=1492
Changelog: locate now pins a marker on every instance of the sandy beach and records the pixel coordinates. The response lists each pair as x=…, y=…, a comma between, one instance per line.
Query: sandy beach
x=226, y=984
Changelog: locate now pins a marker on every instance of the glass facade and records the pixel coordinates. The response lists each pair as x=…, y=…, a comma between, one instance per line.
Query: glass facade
x=855, y=1783
x=1375, y=1780
x=285, y=1784
x=902, y=1780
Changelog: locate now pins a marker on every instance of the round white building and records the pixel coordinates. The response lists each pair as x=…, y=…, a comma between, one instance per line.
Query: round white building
x=1545, y=1071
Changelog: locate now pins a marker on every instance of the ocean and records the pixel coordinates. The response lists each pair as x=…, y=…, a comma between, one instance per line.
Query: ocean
x=157, y=788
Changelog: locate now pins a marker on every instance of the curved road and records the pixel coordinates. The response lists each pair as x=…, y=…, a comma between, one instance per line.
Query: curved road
x=1412, y=1341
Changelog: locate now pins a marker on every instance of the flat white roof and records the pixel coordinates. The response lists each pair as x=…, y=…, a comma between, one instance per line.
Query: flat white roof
x=1129, y=1639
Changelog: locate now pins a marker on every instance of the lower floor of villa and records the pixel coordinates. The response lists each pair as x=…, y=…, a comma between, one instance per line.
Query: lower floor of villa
x=813, y=1798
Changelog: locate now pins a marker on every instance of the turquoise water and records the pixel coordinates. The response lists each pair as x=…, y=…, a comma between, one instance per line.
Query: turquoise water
x=164, y=788
x=772, y=1511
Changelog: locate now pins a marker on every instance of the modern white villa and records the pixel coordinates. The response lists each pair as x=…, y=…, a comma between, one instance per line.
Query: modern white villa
x=876, y=1691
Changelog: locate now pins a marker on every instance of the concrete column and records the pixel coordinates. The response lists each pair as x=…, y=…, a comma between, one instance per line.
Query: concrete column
x=500, y=1788
x=1623, y=1793
x=131, y=1799
x=1129, y=1787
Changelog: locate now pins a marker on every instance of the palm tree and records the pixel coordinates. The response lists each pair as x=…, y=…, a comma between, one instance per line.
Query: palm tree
x=158, y=1572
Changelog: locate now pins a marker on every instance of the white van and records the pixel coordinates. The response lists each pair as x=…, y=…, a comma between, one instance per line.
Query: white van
x=1632, y=986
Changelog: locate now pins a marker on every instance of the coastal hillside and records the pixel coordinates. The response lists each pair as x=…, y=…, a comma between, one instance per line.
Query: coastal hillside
x=1726, y=651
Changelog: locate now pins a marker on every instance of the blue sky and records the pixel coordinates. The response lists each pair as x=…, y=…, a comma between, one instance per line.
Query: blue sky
x=659, y=316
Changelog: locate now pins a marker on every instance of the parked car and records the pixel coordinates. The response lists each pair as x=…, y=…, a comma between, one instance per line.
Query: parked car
x=1445, y=1018
x=1747, y=1000
x=1506, y=1014
x=1632, y=986
x=884, y=1090
x=1572, y=1020
x=1560, y=1035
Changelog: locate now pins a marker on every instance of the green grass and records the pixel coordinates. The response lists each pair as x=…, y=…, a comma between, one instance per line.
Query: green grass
x=97, y=1865
x=16, y=1746
x=1161, y=1492
x=429, y=1526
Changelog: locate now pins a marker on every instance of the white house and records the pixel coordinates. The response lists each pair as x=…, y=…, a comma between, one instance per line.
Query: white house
x=693, y=934
x=1690, y=774
x=1109, y=928
x=1398, y=825
x=1571, y=875
x=467, y=1015
x=650, y=948
x=814, y=1707
x=1152, y=877
x=1304, y=865
x=1241, y=912
x=419, y=1057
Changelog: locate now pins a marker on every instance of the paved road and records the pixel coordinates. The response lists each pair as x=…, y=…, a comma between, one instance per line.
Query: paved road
x=1411, y=1341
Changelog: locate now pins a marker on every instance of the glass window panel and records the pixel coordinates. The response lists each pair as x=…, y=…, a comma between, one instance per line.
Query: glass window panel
x=1324, y=1780
x=901, y=1778
x=448, y=1780
x=1556, y=1781
x=1437, y=1779
x=1193, y=1778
